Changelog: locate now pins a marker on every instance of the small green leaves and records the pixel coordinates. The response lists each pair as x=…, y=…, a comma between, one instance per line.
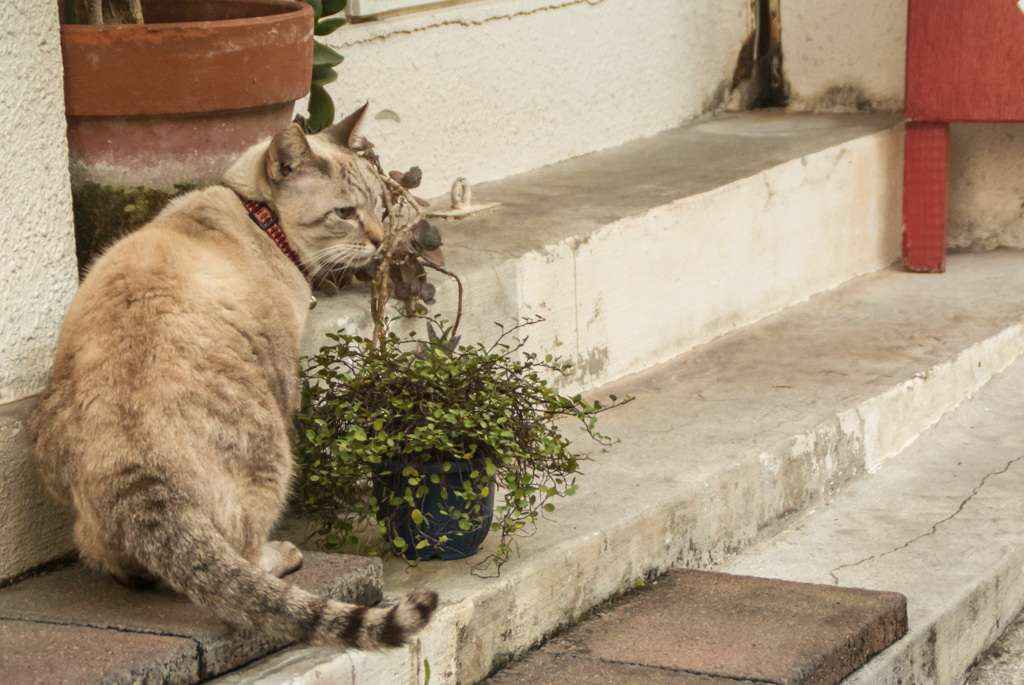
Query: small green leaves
x=418, y=411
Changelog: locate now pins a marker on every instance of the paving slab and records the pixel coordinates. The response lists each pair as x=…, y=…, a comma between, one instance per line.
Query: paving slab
x=572, y=669
x=737, y=628
x=943, y=524
x=48, y=654
x=77, y=596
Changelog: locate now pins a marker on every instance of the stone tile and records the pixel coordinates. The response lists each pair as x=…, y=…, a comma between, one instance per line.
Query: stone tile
x=82, y=597
x=47, y=654
x=743, y=628
x=570, y=669
x=344, y=577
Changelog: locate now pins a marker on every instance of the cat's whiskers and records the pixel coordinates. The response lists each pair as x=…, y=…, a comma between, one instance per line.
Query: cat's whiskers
x=336, y=256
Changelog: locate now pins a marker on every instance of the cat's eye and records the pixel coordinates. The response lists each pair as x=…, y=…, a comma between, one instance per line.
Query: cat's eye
x=347, y=213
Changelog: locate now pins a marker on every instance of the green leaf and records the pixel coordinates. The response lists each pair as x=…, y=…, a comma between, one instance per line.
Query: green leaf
x=318, y=7
x=332, y=7
x=325, y=27
x=70, y=12
x=417, y=517
x=322, y=75
x=325, y=55
x=321, y=109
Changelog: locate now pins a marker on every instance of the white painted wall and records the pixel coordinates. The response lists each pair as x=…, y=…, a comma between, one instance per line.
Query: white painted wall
x=493, y=88
x=39, y=274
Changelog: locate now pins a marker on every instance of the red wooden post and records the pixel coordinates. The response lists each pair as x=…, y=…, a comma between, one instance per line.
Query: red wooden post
x=925, y=175
x=965, y=62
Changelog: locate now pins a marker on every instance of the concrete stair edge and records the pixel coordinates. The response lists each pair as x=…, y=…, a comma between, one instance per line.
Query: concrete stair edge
x=944, y=650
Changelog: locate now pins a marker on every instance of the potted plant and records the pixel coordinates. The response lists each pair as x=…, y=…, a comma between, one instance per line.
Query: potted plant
x=419, y=434
x=161, y=96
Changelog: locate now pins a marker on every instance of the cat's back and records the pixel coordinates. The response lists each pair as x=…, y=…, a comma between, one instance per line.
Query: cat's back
x=166, y=317
x=199, y=259
x=195, y=243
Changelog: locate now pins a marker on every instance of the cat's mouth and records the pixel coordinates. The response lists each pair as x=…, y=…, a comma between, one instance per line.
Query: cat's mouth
x=347, y=257
x=363, y=257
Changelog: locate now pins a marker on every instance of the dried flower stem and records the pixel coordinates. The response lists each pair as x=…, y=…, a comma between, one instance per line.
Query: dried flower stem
x=403, y=214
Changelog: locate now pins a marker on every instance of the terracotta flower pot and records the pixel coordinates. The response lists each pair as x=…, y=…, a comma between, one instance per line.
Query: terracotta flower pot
x=176, y=99
x=156, y=108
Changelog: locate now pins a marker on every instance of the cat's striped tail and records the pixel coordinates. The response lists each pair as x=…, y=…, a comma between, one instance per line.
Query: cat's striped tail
x=196, y=561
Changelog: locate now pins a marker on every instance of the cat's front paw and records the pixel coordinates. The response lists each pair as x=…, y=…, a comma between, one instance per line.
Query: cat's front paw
x=280, y=558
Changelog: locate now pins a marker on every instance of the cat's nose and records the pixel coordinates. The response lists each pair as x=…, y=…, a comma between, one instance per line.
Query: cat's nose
x=374, y=232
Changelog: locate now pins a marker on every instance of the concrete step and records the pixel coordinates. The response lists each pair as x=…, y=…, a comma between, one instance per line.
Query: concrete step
x=943, y=524
x=723, y=447
x=639, y=253
x=1003, y=662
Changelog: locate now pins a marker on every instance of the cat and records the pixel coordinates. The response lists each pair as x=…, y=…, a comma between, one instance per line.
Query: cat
x=167, y=421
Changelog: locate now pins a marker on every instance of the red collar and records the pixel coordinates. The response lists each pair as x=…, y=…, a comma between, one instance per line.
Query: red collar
x=264, y=217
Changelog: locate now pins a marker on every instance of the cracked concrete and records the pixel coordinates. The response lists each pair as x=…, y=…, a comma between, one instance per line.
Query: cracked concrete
x=934, y=528
x=942, y=524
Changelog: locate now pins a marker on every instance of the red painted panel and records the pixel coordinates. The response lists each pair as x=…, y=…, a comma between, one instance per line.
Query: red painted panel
x=965, y=60
x=925, y=175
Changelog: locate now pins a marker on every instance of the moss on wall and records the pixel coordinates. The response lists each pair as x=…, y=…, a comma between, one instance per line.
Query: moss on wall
x=105, y=213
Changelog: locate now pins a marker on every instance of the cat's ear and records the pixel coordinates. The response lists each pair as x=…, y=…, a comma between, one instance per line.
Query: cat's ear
x=287, y=151
x=343, y=133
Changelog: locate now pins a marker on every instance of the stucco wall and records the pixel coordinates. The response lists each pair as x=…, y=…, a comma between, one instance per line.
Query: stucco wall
x=39, y=275
x=497, y=87
x=839, y=55
x=986, y=186
x=35, y=203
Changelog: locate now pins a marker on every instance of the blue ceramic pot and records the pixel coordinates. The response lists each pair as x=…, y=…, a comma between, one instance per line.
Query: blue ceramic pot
x=388, y=480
